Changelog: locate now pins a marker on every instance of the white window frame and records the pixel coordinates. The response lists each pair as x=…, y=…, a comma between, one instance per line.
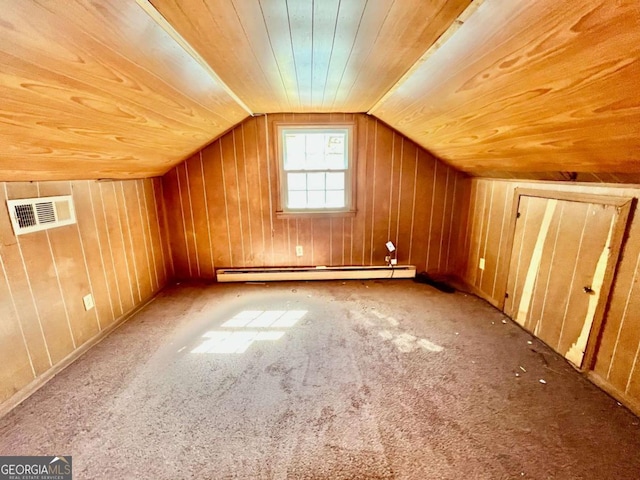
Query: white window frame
x=349, y=208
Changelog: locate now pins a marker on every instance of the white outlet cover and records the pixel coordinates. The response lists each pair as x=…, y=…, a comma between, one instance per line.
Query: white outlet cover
x=481, y=265
x=88, y=302
x=299, y=250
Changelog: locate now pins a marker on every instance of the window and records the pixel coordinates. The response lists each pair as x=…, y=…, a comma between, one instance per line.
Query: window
x=315, y=168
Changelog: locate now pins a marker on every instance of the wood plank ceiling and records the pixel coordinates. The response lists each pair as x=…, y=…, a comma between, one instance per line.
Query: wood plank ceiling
x=306, y=55
x=98, y=89
x=93, y=89
x=530, y=86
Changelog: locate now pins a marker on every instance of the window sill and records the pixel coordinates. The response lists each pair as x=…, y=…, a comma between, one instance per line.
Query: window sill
x=317, y=214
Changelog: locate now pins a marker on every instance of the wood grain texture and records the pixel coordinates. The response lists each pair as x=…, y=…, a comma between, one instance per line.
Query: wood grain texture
x=44, y=275
x=222, y=203
x=617, y=358
x=98, y=90
x=305, y=55
x=545, y=86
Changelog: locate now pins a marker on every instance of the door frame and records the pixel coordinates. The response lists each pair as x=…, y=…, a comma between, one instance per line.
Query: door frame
x=623, y=209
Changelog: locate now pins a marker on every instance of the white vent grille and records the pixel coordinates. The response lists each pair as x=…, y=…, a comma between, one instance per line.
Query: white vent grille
x=35, y=214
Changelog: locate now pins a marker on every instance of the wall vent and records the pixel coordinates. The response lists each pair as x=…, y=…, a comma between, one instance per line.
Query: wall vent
x=35, y=214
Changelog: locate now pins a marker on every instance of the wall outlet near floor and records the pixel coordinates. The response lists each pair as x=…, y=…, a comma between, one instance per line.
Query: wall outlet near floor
x=299, y=250
x=481, y=264
x=88, y=302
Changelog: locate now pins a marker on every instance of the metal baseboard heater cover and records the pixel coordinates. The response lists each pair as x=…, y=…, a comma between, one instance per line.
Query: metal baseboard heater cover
x=313, y=273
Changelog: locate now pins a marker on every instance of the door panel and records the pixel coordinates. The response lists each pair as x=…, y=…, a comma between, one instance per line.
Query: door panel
x=560, y=248
x=531, y=210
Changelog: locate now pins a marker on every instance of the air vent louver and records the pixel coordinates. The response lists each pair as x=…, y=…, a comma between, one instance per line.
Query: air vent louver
x=45, y=212
x=35, y=214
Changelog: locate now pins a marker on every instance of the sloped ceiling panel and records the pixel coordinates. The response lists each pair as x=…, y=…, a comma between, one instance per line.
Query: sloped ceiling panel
x=310, y=55
x=98, y=89
x=530, y=86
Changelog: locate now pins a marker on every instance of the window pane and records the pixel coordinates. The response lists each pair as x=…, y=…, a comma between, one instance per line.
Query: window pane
x=297, y=200
x=335, y=199
x=297, y=181
x=336, y=151
x=315, y=143
x=336, y=162
x=335, y=143
x=315, y=181
x=294, y=151
x=335, y=181
x=316, y=199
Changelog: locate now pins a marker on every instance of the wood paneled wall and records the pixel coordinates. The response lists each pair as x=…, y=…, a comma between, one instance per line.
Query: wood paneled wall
x=115, y=251
x=220, y=204
x=617, y=365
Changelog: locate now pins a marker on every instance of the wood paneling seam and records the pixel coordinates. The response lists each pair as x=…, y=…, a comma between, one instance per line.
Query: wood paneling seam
x=64, y=303
x=19, y=320
x=124, y=248
x=113, y=262
x=413, y=205
x=399, y=192
x=86, y=268
x=444, y=214
x=160, y=236
x=575, y=267
x=454, y=202
x=226, y=206
x=538, y=324
x=184, y=223
x=206, y=211
x=235, y=164
x=498, y=256
x=534, y=264
x=433, y=201
x=99, y=242
x=393, y=153
x=486, y=235
x=193, y=223
x=246, y=187
x=264, y=244
x=624, y=316
x=144, y=236
x=268, y=160
x=477, y=259
x=150, y=233
x=133, y=253
x=364, y=210
x=515, y=284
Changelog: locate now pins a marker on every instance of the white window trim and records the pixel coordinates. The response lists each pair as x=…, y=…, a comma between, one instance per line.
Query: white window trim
x=350, y=205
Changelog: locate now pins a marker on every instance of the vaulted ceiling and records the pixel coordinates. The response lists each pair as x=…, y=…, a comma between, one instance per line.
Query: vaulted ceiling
x=129, y=88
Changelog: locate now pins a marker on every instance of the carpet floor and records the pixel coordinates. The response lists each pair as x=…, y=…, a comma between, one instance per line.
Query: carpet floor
x=324, y=380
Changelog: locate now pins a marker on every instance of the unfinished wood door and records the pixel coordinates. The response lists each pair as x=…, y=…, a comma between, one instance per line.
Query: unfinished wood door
x=559, y=260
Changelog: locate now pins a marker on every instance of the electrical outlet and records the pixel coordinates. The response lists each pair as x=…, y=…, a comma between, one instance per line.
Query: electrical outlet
x=394, y=261
x=481, y=265
x=299, y=251
x=88, y=302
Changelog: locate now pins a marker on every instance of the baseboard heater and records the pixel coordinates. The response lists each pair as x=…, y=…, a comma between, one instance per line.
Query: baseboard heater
x=313, y=273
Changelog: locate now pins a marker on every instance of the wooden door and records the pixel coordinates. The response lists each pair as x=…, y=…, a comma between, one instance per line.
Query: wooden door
x=560, y=261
